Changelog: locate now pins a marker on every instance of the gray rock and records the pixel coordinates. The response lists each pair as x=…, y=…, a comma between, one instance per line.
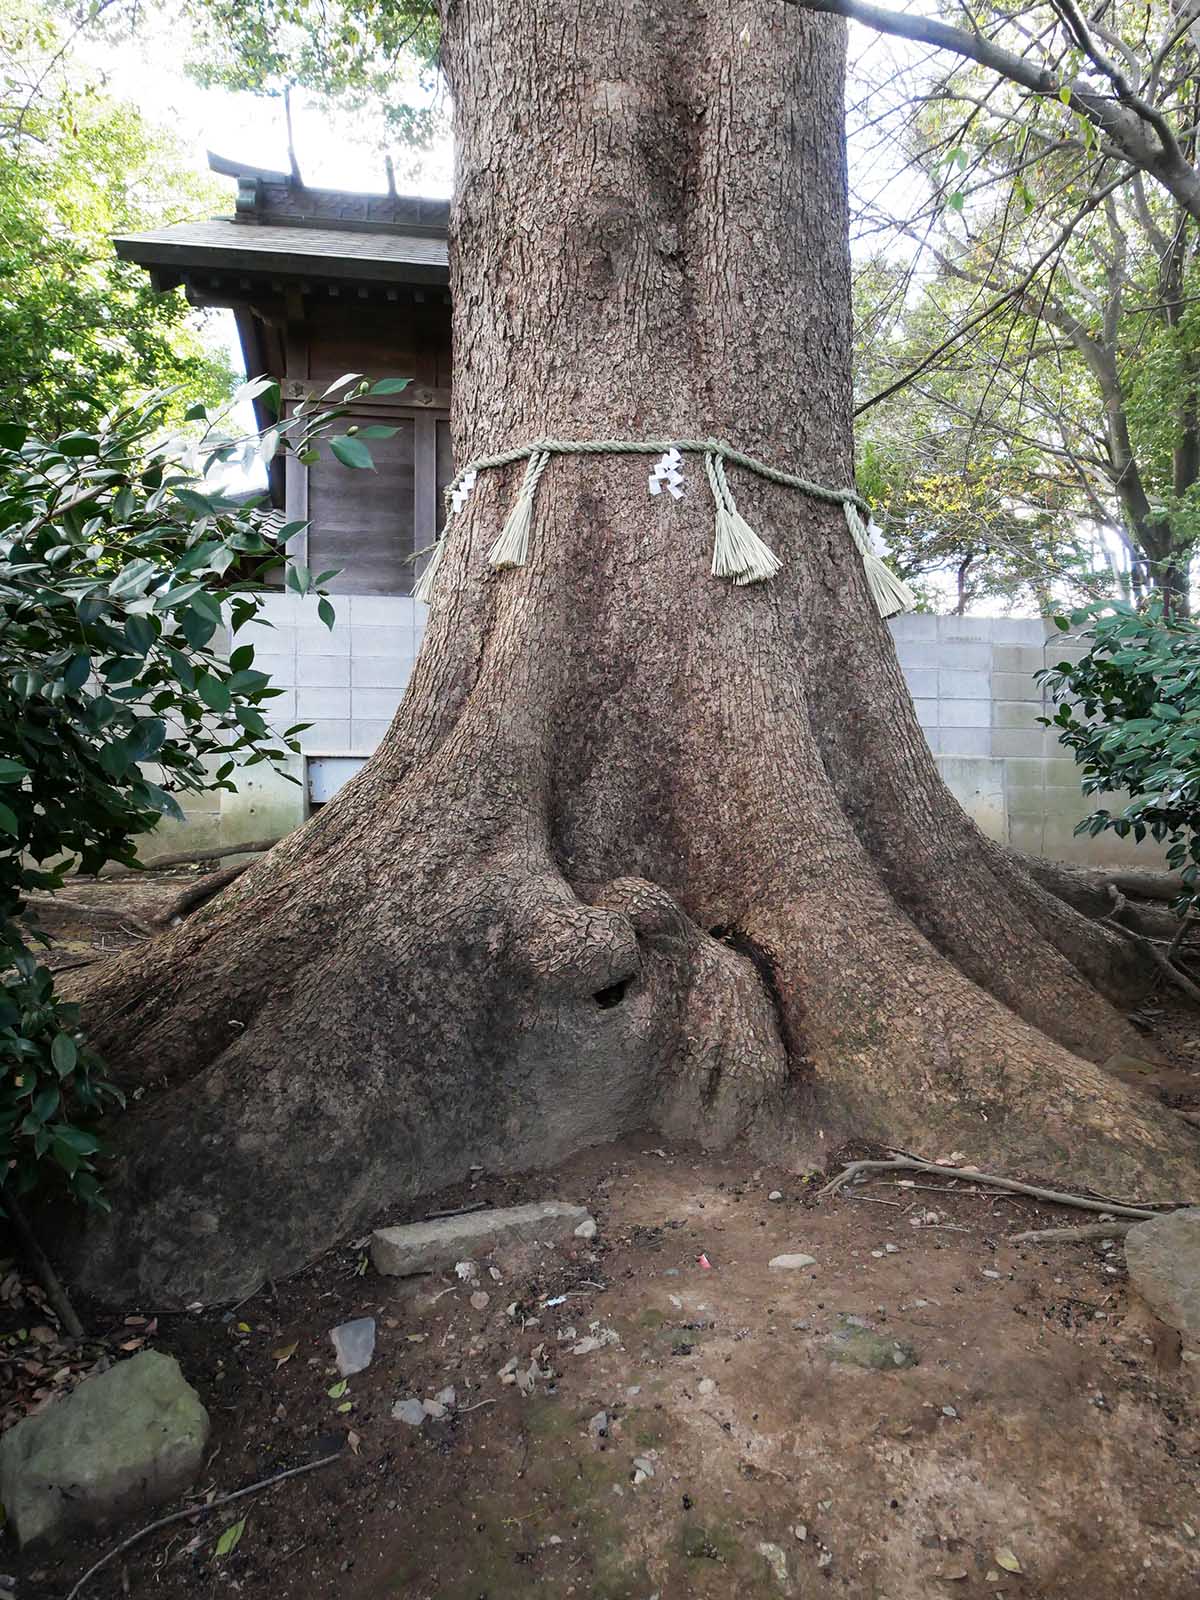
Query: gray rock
x=586, y=1229
x=856, y=1346
x=411, y=1411
x=447, y=1397
x=434, y=1409
x=123, y=1441
x=598, y=1425
x=775, y=1194
x=776, y=1560
x=434, y=1246
x=792, y=1262
x=1163, y=1257
x=354, y=1345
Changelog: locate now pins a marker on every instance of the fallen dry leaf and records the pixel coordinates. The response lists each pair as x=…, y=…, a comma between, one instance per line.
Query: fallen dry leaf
x=353, y=1440
x=285, y=1352
x=1006, y=1559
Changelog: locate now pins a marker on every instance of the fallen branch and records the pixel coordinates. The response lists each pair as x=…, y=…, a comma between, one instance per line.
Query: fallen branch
x=188, y=858
x=1090, y=1230
x=194, y=1512
x=200, y=893
x=1054, y=1196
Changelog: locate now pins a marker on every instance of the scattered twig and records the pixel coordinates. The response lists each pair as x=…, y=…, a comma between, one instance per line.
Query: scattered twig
x=1054, y=1196
x=458, y=1211
x=462, y=1410
x=1092, y=1230
x=1161, y=958
x=870, y=1199
x=197, y=1511
x=40, y=1263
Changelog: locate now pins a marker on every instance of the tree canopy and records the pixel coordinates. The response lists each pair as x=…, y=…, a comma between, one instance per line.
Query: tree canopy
x=77, y=166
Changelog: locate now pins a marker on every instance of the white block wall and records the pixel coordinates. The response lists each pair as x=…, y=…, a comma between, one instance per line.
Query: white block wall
x=971, y=680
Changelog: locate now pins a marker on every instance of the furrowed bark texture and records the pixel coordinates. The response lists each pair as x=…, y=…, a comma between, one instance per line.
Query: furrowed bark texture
x=641, y=848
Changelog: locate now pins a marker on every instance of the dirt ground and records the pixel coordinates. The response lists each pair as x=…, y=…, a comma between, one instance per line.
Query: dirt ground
x=1046, y=1442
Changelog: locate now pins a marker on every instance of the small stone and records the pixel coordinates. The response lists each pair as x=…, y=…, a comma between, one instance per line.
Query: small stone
x=800, y=1531
x=353, y=1345
x=480, y=1299
x=644, y=1465
x=801, y=1325
x=791, y=1263
x=825, y=1559
x=989, y=1273
x=891, y=1249
x=434, y=1409
x=949, y=1411
x=598, y=1425
x=466, y=1271
x=776, y=1560
x=411, y=1411
x=878, y=1254
x=124, y=1440
x=586, y=1229
x=775, y=1194
x=447, y=1397
x=707, y=1386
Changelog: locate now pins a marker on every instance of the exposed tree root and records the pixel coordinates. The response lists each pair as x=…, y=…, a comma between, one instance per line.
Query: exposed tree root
x=1056, y=1196
x=1161, y=958
x=81, y=910
x=198, y=894
x=1090, y=1230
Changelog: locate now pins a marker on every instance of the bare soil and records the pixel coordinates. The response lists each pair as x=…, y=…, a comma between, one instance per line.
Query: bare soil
x=1048, y=1424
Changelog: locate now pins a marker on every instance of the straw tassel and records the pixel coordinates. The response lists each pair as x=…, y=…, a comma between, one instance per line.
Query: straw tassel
x=511, y=549
x=738, y=552
x=890, y=593
x=423, y=588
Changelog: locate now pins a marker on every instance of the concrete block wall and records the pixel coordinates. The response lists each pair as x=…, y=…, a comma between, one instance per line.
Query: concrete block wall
x=971, y=679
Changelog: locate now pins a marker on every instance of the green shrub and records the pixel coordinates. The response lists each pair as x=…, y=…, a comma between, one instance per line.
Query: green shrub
x=121, y=567
x=1130, y=712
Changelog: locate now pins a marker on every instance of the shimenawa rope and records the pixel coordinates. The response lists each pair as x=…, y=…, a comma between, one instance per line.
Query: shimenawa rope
x=738, y=552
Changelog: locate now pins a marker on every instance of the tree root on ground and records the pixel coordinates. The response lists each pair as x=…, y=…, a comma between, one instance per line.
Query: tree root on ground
x=1090, y=1230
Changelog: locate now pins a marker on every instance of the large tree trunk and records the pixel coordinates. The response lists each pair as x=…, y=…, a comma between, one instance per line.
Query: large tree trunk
x=641, y=848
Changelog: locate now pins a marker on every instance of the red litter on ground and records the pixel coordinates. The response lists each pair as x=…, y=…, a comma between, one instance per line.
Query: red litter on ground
x=705, y=1263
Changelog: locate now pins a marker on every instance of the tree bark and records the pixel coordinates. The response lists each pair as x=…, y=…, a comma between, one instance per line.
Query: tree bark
x=641, y=848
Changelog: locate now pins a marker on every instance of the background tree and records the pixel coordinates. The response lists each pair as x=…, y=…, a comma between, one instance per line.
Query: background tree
x=1043, y=315
x=77, y=326
x=642, y=847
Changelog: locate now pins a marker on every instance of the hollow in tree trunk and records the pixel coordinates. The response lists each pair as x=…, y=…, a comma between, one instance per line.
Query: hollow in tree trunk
x=642, y=848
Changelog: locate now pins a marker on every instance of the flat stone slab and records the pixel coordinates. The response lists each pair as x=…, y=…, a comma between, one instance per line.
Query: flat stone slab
x=123, y=1441
x=434, y=1246
x=854, y=1346
x=354, y=1345
x=791, y=1263
x=1163, y=1257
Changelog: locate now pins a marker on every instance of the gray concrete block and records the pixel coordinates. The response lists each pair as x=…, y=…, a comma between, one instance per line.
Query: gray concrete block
x=927, y=712
x=959, y=684
x=324, y=704
x=1018, y=630
x=380, y=672
x=281, y=669
x=1016, y=742
x=975, y=654
x=327, y=738
x=322, y=641
x=960, y=628
x=922, y=683
x=1016, y=714
x=914, y=625
x=436, y=1246
x=322, y=672
x=380, y=640
x=917, y=653
x=366, y=735
x=965, y=713
x=960, y=741
x=1022, y=658
x=382, y=610
x=375, y=703
x=1026, y=833
x=1016, y=686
